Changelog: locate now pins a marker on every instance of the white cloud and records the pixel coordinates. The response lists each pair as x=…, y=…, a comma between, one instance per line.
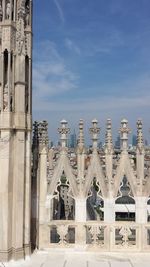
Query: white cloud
x=72, y=46
x=60, y=10
x=51, y=76
x=131, y=106
x=100, y=104
x=102, y=108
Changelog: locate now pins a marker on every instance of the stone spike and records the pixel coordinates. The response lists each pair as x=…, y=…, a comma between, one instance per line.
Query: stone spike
x=94, y=131
x=43, y=133
x=140, y=133
x=81, y=133
x=124, y=131
x=64, y=131
x=35, y=133
x=108, y=136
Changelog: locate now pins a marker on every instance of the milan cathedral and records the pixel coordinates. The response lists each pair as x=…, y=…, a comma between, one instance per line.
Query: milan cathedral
x=87, y=198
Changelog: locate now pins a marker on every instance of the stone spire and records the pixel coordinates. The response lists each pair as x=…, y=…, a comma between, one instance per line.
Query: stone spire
x=94, y=131
x=81, y=136
x=35, y=134
x=108, y=136
x=43, y=134
x=124, y=131
x=63, y=131
x=140, y=143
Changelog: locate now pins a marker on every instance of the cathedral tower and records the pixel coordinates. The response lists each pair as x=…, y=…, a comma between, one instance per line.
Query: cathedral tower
x=15, y=127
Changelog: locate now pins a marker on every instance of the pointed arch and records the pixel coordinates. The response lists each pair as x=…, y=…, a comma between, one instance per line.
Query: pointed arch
x=124, y=169
x=63, y=203
x=95, y=202
x=63, y=165
x=95, y=170
x=125, y=194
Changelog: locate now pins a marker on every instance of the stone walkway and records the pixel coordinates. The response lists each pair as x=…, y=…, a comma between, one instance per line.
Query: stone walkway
x=83, y=259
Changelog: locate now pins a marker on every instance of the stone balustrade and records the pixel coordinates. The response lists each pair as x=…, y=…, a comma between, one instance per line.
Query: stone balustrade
x=100, y=236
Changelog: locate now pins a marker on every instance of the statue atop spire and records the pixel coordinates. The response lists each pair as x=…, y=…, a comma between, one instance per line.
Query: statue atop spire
x=43, y=133
x=124, y=131
x=140, y=143
x=108, y=136
x=81, y=136
x=94, y=131
x=64, y=131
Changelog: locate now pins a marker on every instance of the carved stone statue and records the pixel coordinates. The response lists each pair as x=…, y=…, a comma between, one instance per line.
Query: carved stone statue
x=27, y=12
x=21, y=8
x=1, y=12
x=21, y=3
x=27, y=18
x=8, y=10
x=20, y=37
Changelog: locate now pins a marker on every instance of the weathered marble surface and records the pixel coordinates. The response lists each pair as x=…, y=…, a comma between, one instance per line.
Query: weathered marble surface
x=73, y=259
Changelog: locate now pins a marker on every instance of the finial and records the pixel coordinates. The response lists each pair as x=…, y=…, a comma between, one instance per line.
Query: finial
x=63, y=131
x=108, y=135
x=94, y=131
x=140, y=143
x=35, y=133
x=124, y=131
x=43, y=133
x=81, y=136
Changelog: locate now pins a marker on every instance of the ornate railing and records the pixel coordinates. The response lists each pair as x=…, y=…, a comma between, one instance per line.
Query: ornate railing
x=118, y=236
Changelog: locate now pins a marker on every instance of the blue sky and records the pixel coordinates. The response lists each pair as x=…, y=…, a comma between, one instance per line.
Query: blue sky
x=91, y=58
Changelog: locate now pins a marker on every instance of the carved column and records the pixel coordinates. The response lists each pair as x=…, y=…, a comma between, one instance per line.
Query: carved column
x=27, y=239
x=63, y=131
x=124, y=131
x=30, y=12
x=108, y=157
x=80, y=200
x=109, y=202
x=141, y=209
x=1, y=12
x=2, y=86
x=80, y=209
x=81, y=156
x=94, y=131
x=30, y=87
x=15, y=8
x=35, y=187
x=141, y=199
x=5, y=196
x=11, y=9
x=9, y=79
x=43, y=153
x=109, y=210
x=140, y=152
x=4, y=10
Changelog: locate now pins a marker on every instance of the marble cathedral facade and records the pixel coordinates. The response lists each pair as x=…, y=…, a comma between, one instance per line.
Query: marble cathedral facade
x=55, y=197
x=15, y=127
